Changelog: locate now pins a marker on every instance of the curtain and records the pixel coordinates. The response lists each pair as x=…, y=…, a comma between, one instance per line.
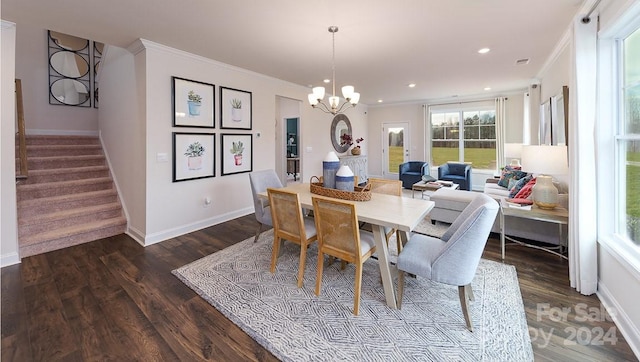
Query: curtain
x=501, y=111
x=583, y=261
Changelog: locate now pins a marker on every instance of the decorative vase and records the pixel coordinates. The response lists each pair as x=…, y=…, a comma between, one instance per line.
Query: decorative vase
x=194, y=163
x=344, y=178
x=545, y=194
x=238, y=159
x=330, y=166
x=194, y=108
x=355, y=151
x=236, y=114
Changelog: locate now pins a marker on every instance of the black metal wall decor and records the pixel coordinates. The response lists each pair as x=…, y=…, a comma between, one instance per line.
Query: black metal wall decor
x=69, y=70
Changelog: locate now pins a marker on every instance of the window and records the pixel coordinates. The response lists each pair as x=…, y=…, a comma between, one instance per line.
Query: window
x=473, y=140
x=628, y=139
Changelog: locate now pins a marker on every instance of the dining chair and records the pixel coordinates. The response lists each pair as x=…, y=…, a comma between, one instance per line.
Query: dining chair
x=340, y=237
x=453, y=259
x=289, y=224
x=389, y=187
x=260, y=181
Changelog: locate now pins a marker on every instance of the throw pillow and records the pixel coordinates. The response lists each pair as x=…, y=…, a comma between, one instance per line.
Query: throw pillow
x=525, y=192
x=508, y=173
x=519, y=184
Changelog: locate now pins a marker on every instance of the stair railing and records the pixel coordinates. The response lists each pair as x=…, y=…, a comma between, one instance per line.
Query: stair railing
x=23, y=170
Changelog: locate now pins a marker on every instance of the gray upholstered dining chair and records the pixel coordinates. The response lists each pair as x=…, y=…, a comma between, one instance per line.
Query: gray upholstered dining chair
x=453, y=259
x=260, y=181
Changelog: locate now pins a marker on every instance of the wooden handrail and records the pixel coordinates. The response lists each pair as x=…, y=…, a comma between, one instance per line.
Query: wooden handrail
x=22, y=142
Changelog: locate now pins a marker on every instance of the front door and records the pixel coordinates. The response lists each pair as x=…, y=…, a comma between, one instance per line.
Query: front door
x=395, y=147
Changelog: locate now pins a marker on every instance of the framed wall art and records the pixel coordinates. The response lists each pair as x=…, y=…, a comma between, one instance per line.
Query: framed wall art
x=236, y=153
x=193, y=156
x=235, y=108
x=193, y=103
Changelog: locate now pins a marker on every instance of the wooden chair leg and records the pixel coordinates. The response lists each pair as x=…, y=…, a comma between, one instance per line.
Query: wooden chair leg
x=400, y=288
x=303, y=258
x=275, y=253
x=464, y=303
x=319, y=273
x=469, y=291
x=255, y=240
x=357, y=288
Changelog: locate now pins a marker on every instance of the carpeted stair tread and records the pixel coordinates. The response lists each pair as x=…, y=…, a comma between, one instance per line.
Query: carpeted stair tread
x=60, y=140
x=63, y=150
x=65, y=161
x=65, y=174
x=70, y=236
x=61, y=202
x=46, y=189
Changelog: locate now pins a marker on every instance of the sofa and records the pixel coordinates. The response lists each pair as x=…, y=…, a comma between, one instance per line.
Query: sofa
x=459, y=173
x=450, y=203
x=411, y=172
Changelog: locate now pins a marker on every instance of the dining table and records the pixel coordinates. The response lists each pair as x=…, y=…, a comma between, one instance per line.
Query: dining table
x=401, y=213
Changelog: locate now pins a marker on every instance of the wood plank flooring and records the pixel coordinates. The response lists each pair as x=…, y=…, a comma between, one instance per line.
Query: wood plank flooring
x=115, y=300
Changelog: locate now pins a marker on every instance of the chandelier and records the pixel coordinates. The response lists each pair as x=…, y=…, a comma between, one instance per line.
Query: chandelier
x=334, y=107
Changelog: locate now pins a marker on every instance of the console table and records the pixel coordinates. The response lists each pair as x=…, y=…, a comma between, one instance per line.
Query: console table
x=357, y=164
x=558, y=216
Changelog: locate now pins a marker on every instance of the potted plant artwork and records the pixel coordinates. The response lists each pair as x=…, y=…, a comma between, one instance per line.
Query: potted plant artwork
x=236, y=110
x=195, y=101
x=236, y=149
x=194, y=154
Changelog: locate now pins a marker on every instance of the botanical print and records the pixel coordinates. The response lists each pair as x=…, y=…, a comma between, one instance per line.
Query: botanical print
x=193, y=156
x=236, y=153
x=193, y=103
x=235, y=108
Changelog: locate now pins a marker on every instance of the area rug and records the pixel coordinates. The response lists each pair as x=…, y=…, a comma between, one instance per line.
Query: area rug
x=296, y=325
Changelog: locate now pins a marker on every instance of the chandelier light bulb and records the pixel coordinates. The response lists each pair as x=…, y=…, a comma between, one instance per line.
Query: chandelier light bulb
x=347, y=91
x=318, y=92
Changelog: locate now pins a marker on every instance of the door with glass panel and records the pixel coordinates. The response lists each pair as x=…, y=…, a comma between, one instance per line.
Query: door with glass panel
x=395, y=149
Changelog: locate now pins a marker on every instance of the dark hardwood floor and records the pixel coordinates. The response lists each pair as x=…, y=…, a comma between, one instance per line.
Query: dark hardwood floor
x=115, y=300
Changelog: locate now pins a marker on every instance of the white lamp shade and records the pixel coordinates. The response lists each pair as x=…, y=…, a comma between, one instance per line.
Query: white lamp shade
x=318, y=92
x=512, y=150
x=334, y=102
x=355, y=97
x=312, y=99
x=347, y=91
x=545, y=159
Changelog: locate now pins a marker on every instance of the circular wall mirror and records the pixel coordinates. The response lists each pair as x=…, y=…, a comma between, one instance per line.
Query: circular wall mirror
x=70, y=91
x=69, y=42
x=69, y=64
x=340, y=126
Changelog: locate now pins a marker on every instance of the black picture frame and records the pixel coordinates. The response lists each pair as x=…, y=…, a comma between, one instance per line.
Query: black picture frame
x=192, y=103
x=235, y=109
x=194, y=166
x=231, y=163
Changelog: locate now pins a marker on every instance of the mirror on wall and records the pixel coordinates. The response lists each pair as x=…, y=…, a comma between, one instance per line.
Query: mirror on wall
x=98, y=48
x=69, y=70
x=339, y=126
x=560, y=117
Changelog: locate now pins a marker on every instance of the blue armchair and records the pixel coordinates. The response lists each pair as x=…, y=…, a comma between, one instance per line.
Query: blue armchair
x=459, y=173
x=412, y=172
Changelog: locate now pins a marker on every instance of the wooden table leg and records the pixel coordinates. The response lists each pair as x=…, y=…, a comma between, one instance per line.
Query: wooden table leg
x=383, y=262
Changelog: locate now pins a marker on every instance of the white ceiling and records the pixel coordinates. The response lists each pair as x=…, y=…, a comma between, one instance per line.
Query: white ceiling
x=381, y=46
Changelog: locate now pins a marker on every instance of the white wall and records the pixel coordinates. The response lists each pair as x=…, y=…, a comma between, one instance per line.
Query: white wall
x=8, y=215
x=556, y=75
x=122, y=131
x=33, y=68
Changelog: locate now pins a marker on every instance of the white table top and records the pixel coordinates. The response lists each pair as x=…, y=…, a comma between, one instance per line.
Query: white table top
x=397, y=212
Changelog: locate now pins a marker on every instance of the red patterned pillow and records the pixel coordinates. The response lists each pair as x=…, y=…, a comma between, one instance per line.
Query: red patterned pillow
x=525, y=192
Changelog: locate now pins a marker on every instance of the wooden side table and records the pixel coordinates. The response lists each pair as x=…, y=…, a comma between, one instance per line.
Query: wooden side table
x=558, y=216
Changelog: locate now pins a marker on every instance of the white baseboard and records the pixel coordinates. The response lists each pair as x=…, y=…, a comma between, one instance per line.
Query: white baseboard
x=626, y=326
x=59, y=132
x=154, y=238
x=9, y=259
x=136, y=235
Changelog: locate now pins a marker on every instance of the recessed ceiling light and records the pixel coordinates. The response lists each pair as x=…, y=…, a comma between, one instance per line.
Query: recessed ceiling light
x=379, y=100
x=412, y=85
x=487, y=88
x=484, y=50
x=327, y=80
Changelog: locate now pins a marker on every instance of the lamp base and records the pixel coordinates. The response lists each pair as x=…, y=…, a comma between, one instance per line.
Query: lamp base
x=545, y=194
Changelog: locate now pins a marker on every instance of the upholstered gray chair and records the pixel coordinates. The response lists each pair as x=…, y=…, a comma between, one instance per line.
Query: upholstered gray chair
x=260, y=181
x=453, y=259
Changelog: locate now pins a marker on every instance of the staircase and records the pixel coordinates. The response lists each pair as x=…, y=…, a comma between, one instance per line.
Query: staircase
x=69, y=197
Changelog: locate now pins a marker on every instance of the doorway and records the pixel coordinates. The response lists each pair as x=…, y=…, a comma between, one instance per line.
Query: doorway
x=293, y=155
x=395, y=148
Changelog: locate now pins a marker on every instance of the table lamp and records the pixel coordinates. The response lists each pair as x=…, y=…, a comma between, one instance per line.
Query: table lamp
x=513, y=151
x=545, y=161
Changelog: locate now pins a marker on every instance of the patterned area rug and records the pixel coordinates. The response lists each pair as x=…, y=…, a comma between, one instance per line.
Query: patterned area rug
x=296, y=325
